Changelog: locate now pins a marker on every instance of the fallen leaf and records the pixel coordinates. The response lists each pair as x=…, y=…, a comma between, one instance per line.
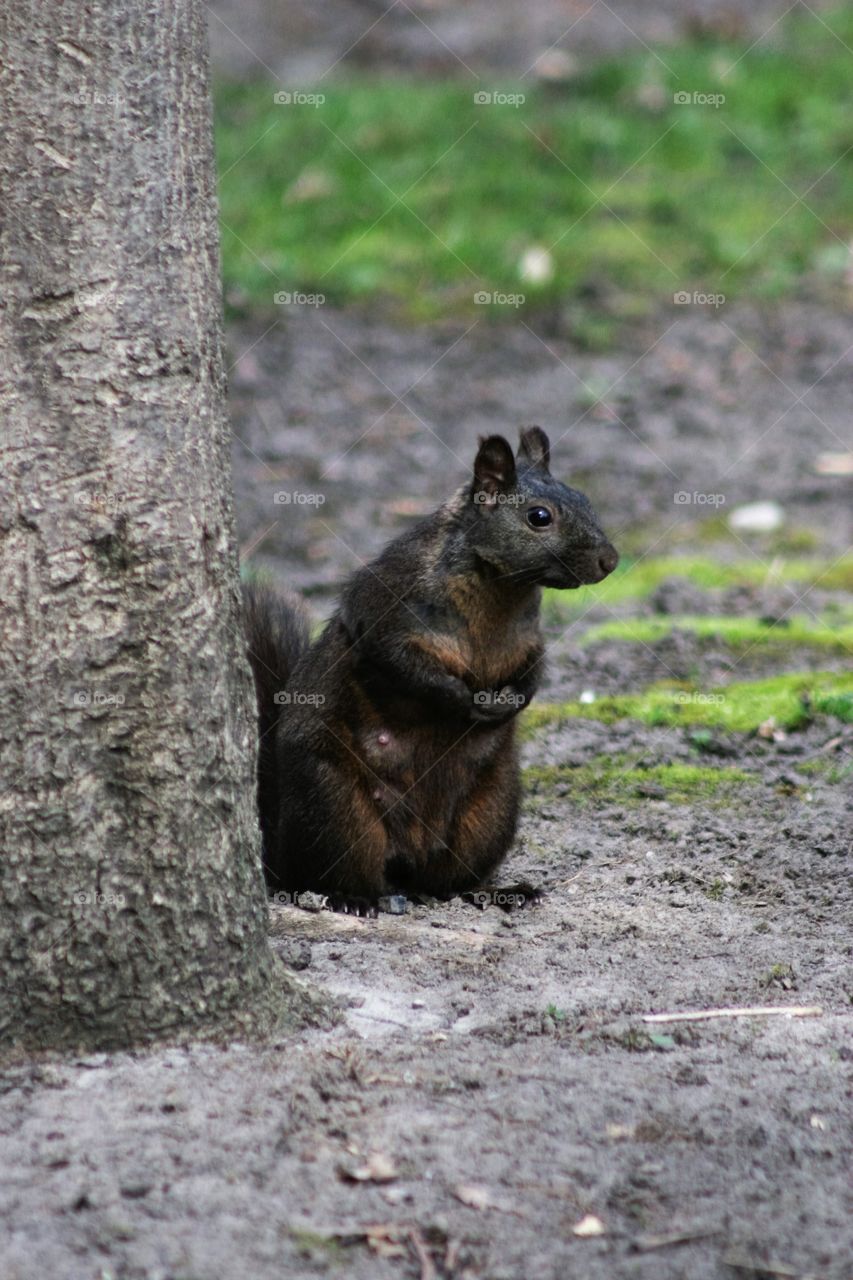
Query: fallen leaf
x=474, y=1197
x=834, y=464
x=397, y=1195
x=378, y=1168
x=385, y=1240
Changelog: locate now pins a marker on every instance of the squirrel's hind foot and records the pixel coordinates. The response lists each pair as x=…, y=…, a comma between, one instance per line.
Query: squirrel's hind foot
x=349, y=905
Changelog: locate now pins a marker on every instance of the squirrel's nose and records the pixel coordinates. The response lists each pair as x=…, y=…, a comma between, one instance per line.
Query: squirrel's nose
x=608, y=558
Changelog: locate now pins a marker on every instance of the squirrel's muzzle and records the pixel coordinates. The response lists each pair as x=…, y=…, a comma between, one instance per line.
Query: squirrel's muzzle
x=607, y=557
x=582, y=567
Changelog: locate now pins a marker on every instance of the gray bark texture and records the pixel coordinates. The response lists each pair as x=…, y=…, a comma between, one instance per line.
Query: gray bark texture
x=131, y=898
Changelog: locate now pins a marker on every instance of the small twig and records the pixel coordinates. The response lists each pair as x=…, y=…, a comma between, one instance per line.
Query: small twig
x=560, y=884
x=751, y=1011
x=768, y=1268
x=647, y=1243
x=428, y=1271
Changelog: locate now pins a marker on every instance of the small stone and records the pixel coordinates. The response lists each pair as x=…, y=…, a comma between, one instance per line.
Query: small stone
x=556, y=65
x=309, y=901
x=395, y=904
x=757, y=517
x=295, y=953
x=589, y=1227
x=135, y=1188
x=536, y=266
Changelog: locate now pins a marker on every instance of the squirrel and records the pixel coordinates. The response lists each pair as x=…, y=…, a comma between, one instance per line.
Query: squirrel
x=388, y=761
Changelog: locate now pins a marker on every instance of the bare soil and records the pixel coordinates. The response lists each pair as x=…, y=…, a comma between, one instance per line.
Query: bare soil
x=491, y=1083
x=302, y=41
x=359, y=425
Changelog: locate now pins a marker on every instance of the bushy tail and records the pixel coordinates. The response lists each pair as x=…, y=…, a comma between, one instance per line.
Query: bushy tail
x=276, y=637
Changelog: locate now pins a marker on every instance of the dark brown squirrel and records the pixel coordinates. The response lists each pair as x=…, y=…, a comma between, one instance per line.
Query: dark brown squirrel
x=388, y=762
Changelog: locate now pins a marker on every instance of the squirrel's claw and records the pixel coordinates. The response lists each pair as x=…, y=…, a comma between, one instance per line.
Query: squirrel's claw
x=353, y=906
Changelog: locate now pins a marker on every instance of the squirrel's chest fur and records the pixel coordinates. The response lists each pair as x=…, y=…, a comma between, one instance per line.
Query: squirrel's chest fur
x=480, y=639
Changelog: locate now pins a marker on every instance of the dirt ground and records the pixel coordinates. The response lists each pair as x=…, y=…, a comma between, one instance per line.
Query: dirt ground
x=721, y=409
x=492, y=1084
x=491, y=1104
x=305, y=40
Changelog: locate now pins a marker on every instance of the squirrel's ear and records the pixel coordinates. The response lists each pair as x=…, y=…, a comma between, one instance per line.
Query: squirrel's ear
x=494, y=467
x=534, y=447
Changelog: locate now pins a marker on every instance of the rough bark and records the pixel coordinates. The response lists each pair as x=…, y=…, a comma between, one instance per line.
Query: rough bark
x=131, y=900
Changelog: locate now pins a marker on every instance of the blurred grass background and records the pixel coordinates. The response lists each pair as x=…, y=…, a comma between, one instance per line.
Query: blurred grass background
x=410, y=192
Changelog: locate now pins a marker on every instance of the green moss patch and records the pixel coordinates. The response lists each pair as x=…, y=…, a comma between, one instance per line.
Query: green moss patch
x=792, y=700
x=622, y=779
x=740, y=634
x=633, y=580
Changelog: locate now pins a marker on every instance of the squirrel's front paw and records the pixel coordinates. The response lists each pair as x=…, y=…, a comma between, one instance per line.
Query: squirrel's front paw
x=493, y=706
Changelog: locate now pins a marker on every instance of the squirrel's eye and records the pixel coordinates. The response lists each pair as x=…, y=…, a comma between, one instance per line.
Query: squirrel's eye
x=539, y=517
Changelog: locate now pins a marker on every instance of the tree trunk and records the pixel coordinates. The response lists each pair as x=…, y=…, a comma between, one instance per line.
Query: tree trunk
x=131, y=899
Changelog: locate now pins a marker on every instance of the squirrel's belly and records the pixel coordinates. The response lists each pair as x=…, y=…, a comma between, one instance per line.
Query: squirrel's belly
x=406, y=755
x=416, y=780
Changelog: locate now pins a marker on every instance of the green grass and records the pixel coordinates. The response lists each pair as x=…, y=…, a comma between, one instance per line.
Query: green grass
x=634, y=580
x=409, y=190
x=792, y=700
x=739, y=634
x=621, y=779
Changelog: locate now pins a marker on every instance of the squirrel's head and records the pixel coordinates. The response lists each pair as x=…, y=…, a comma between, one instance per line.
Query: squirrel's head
x=529, y=527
